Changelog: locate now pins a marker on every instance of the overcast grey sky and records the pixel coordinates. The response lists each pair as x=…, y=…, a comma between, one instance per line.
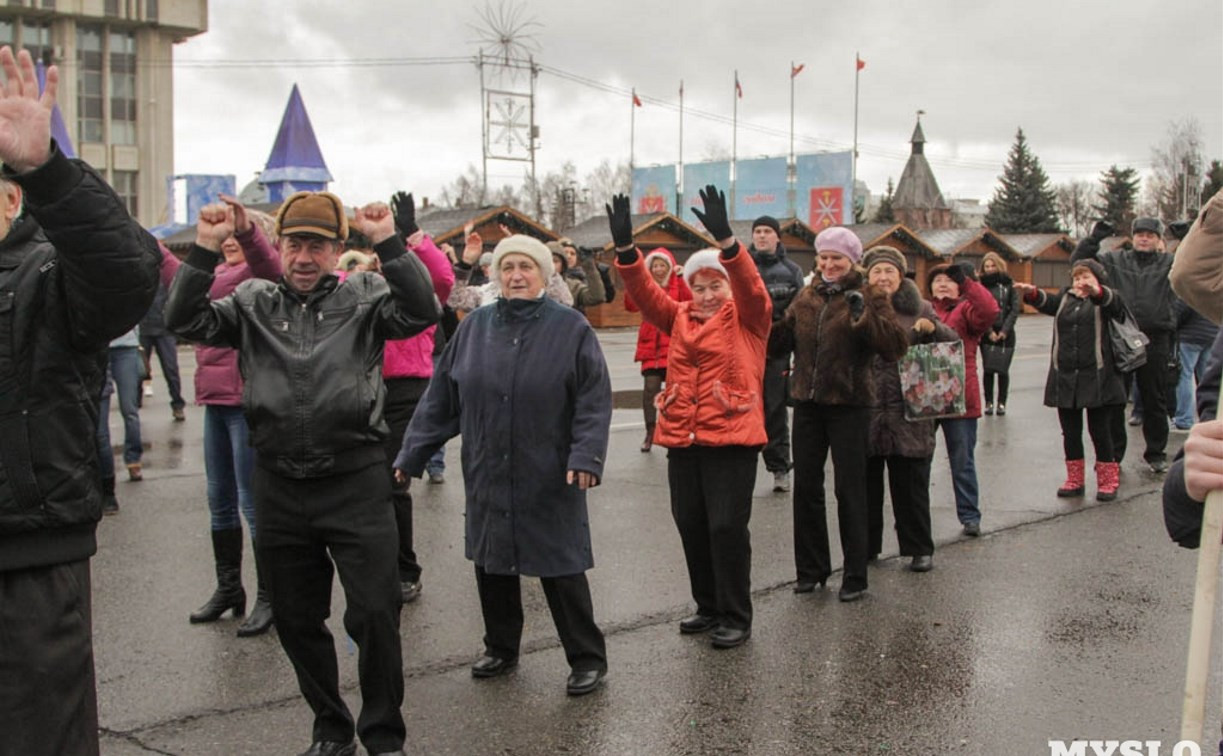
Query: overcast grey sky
x=1091, y=83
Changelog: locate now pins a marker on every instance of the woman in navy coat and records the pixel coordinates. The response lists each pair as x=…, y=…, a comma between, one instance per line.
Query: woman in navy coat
x=525, y=382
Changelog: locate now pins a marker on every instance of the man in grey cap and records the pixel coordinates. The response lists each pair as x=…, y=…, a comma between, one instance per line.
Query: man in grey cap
x=1140, y=274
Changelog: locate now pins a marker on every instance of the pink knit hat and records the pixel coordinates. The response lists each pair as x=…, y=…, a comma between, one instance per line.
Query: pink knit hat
x=840, y=240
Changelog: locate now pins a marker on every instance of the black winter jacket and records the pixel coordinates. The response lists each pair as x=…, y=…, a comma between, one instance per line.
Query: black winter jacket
x=1006, y=295
x=312, y=363
x=782, y=278
x=1081, y=370
x=74, y=274
x=1182, y=514
x=1141, y=278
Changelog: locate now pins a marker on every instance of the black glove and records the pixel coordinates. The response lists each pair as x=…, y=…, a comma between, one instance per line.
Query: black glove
x=715, y=219
x=620, y=219
x=584, y=253
x=1102, y=230
x=956, y=273
x=857, y=304
x=403, y=208
x=1179, y=229
x=969, y=270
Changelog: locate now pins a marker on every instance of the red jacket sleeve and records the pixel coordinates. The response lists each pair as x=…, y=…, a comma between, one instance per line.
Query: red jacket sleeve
x=656, y=307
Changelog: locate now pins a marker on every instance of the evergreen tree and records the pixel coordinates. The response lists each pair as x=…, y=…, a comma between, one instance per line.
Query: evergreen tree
x=1214, y=180
x=1024, y=202
x=884, y=213
x=1118, y=197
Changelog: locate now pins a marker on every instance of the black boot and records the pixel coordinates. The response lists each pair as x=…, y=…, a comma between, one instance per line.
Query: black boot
x=227, y=552
x=260, y=619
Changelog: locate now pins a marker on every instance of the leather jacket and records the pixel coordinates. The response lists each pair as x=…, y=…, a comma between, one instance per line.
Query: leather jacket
x=312, y=363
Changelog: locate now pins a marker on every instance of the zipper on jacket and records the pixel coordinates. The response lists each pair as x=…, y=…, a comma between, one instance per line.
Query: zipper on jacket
x=819, y=343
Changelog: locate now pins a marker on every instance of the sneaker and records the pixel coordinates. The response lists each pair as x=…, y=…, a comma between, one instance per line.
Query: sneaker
x=781, y=481
x=1001, y=410
x=134, y=472
x=972, y=529
x=148, y=390
x=410, y=591
x=989, y=408
x=1158, y=466
x=110, y=505
x=1181, y=428
x=178, y=415
x=1135, y=419
x=437, y=477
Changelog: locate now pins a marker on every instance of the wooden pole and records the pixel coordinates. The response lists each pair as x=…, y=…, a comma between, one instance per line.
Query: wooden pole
x=1205, y=593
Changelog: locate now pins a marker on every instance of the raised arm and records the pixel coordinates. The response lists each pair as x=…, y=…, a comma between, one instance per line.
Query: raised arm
x=410, y=307
x=1197, y=268
x=190, y=312
x=656, y=307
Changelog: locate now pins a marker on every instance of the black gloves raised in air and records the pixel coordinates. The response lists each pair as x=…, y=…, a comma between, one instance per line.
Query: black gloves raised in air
x=403, y=208
x=620, y=220
x=714, y=218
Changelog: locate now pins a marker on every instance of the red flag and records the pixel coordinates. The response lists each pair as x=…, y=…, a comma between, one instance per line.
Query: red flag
x=738, y=88
x=861, y=63
x=636, y=99
x=796, y=70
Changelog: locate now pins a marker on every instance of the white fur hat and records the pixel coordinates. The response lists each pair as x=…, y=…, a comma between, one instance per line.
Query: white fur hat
x=706, y=259
x=524, y=245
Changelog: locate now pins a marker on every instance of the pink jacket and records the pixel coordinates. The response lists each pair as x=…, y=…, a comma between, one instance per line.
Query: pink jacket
x=413, y=357
x=217, y=379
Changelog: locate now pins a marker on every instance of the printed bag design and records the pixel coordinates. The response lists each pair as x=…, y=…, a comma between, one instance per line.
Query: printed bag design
x=932, y=380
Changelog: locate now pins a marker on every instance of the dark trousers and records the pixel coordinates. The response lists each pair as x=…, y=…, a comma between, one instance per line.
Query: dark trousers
x=909, y=485
x=572, y=613
x=711, y=502
x=819, y=428
x=402, y=396
x=652, y=381
x=1004, y=385
x=48, y=698
x=776, y=416
x=1099, y=426
x=306, y=525
x=166, y=346
x=1152, y=380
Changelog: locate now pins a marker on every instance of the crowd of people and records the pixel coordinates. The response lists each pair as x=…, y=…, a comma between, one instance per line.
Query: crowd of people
x=332, y=374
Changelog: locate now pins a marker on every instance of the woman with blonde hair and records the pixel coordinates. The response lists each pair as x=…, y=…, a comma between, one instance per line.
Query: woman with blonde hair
x=998, y=344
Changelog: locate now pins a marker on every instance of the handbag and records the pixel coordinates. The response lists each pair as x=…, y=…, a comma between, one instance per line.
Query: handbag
x=996, y=358
x=1128, y=341
x=932, y=380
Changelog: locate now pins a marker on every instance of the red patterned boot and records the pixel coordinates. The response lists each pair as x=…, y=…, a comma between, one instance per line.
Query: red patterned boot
x=1108, y=480
x=1074, y=485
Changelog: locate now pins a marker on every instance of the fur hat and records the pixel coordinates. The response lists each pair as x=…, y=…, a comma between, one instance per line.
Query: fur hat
x=659, y=253
x=558, y=254
x=767, y=220
x=884, y=254
x=314, y=213
x=524, y=245
x=706, y=259
x=351, y=259
x=486, y=259
x=1148, y=224
x=840, y=240
x=1096, y=269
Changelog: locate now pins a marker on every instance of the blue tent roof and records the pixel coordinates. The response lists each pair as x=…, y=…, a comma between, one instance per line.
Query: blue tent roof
x=295, y=155
x=59, y=132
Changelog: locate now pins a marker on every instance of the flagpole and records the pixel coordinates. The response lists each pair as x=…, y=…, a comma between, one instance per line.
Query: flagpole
x=853, y=183
x=790, y=169
x=734, y=144
x=679, y=174
x=632, y=129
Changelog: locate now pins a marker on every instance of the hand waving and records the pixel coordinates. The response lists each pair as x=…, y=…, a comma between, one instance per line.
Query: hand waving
x=715, y=218
x=620, y=218
x=404, y=209
x=25, y=117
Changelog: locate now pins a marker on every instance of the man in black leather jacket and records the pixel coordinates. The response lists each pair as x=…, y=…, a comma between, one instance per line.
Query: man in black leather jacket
x=310, y=351
x=1140, y=274
x=783, y=279
x=75, y=271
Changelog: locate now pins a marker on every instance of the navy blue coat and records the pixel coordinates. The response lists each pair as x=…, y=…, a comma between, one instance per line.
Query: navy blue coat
x=526, y=384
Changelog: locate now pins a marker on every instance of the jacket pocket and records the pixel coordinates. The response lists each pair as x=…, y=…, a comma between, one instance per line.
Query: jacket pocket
x=734, y=401
x=18, y=465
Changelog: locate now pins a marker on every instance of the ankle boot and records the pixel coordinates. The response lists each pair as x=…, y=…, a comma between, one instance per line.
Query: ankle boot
x=260, y=619
x=227, y=552
x=648, y=443
x=1108, y=480
x=1074, y=485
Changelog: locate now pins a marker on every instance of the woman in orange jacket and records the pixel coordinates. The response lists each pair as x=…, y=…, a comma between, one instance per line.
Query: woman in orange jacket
x=711, y=416
x=652, y=343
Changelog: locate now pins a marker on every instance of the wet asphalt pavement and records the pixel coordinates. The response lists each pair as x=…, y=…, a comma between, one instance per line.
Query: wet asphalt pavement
x=1066, y=620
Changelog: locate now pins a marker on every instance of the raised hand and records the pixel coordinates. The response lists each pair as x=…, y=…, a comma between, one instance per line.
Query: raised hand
x=620, y=220
x=242, y=223
x=375, y=221
x=404, y=209
x=474, y=247
x=714, y=218
x=214, y=226
x=1102, y=230
x=25, y=117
